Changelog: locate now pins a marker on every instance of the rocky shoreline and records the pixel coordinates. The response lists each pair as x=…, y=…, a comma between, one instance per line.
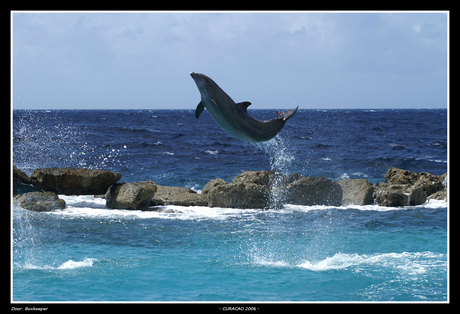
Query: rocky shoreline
x=251, y=189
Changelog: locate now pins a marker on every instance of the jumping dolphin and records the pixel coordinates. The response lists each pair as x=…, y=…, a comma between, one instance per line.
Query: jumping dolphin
x=234, y=118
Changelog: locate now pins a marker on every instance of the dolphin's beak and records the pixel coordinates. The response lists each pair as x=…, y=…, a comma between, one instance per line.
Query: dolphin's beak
x=193, y=75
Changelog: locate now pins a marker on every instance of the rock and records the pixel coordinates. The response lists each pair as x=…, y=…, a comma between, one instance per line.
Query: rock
x=254, y=177
x=74, y=181
x=395, y=195
x=247, y=190
x=390, y=195
x=173, y=195
x=399, y=176
x=39, y=201
x=21, y=176
x=417, y=196
x=445, y=181
x=21, y=188
x=270, y=189
x=357, y=192
x=135, y=196
x=314, y=191
x=239, y=195
x=427, y=181
x=212, y=184
x=270, y=179
x=440, y=195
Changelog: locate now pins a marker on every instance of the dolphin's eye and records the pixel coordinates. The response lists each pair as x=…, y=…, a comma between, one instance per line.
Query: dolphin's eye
x=207, y=81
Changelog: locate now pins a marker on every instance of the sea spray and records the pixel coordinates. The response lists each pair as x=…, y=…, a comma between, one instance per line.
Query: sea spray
x=25, y=247
x=38, y=133
x=282, y=158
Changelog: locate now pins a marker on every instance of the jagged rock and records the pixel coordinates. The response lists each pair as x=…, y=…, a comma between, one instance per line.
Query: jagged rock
x=357, y=192
x=39, y=201
x=212, y=184
x=270, y=189
x=427, y=181
x=399, y=176
x=390, y=195
x=136, y=196
x=314, y=191
x=173, y=195
x=74, y=181
x=269, y=179
x=395, y=195
x=445, y=181
x=440, y=195
x=239, y=195
x=417, y=196
x=20, y=175
x=249, y=189
x=254, y=177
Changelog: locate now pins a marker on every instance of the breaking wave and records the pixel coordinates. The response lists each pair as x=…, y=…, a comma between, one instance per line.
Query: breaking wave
x=407, y=262
x=70, y=264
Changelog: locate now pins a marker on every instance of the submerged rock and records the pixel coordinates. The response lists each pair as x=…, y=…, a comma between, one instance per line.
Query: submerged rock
x=74, y=181
x=39, y=201
x=135, y=196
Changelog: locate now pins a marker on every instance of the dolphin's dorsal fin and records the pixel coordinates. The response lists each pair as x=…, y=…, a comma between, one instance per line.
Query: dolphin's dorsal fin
x=243, y=106
x=199, y=109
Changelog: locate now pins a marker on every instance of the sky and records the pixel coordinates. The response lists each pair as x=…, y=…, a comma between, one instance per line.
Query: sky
x=279, y=60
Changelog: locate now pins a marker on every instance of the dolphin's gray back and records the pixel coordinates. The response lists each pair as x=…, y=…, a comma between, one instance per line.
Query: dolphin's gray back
x=234, y=118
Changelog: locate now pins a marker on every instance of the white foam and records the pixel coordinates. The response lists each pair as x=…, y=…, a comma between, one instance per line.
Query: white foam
x=406, y=262
x=211, y=152
x=87, y=262
x=70, y=264
x=88, y=206
x=433, y=204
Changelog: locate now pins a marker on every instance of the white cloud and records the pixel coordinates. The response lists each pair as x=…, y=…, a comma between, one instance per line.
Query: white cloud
x=102, y=59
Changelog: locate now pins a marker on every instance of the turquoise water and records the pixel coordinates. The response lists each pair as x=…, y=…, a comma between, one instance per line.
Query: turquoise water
x=366, y=253
x=88, y=252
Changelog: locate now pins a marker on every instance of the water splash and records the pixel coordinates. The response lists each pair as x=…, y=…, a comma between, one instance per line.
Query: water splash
x=282, y=160
x=281, y=152
x=25, y=238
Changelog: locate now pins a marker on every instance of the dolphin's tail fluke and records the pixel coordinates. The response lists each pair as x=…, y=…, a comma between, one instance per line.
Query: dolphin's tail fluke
x=285, y=115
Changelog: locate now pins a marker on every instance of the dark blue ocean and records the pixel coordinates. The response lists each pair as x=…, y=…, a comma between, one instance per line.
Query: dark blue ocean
x=88, y=252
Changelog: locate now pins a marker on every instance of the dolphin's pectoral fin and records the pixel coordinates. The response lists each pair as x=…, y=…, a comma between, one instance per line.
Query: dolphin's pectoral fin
x=285, y=115
x=199, y=109
x=243, y=106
